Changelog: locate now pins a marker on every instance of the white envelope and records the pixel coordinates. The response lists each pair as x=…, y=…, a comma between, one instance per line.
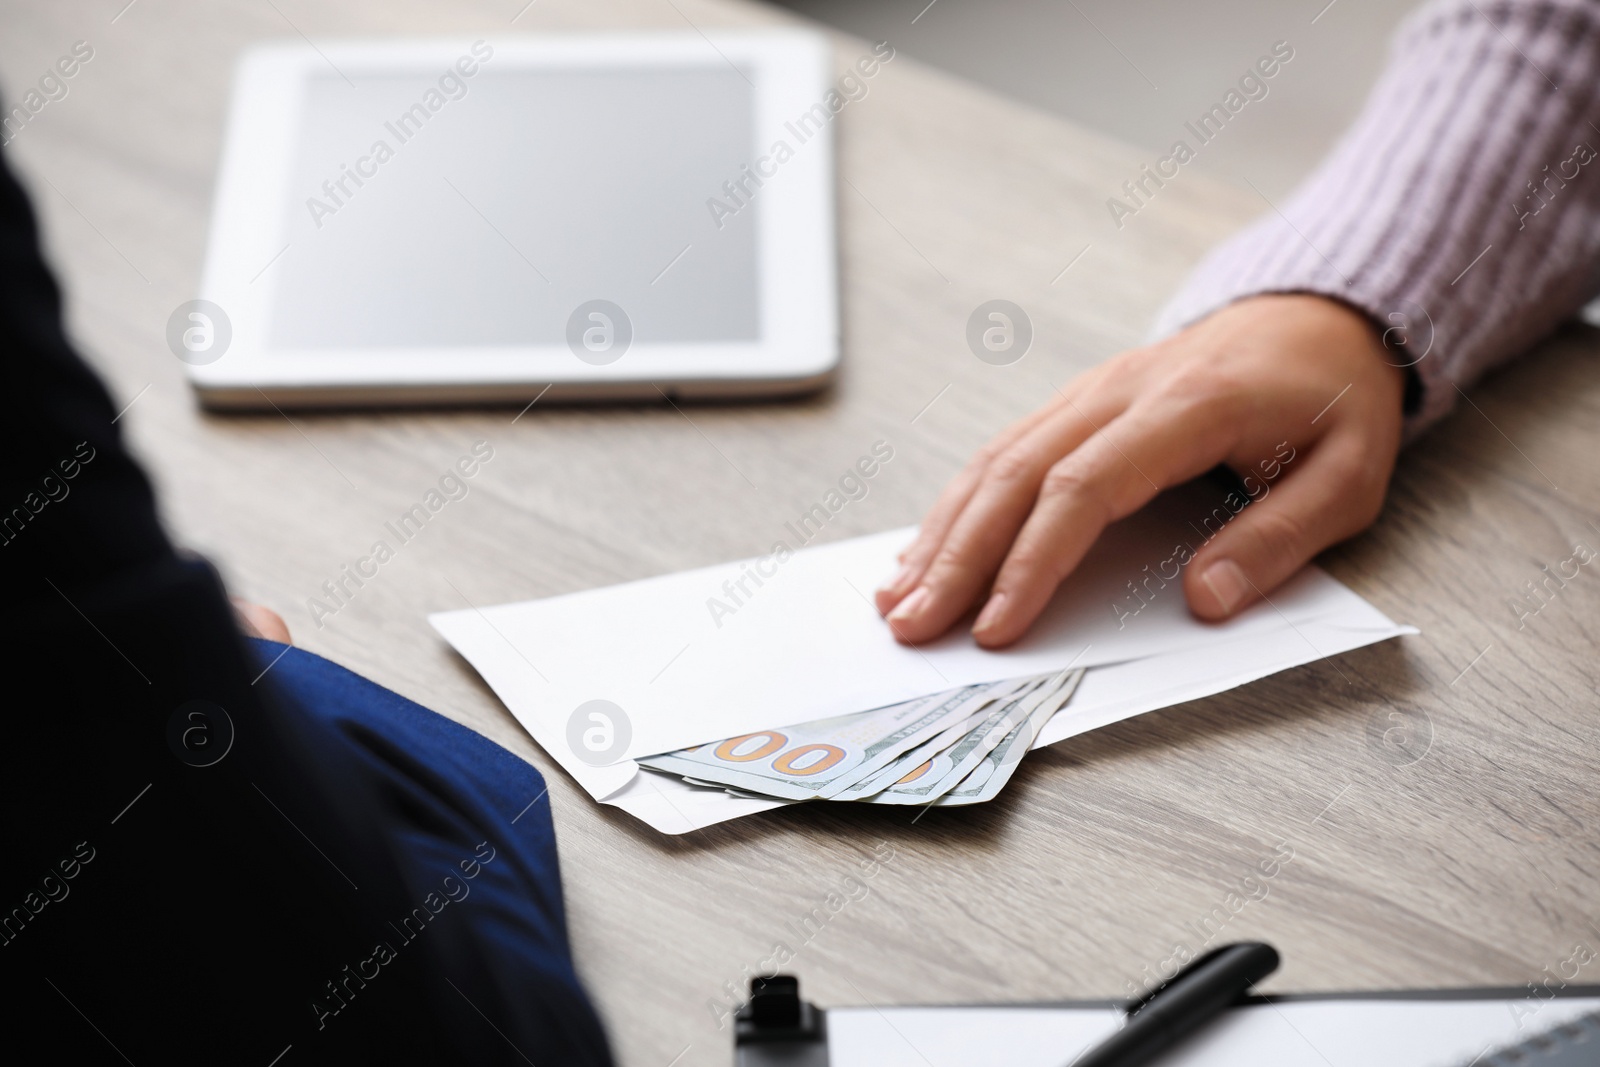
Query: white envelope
x=1106, y=695
x=713, y=653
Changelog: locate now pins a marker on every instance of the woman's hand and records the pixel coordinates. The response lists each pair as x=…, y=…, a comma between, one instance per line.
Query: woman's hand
x=1268, y=373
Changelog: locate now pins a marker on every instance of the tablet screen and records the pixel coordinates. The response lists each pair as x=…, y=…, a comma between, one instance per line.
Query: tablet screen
x=520, y=195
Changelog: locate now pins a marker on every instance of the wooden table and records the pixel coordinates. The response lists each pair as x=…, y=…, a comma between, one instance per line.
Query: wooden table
x=1475, y=863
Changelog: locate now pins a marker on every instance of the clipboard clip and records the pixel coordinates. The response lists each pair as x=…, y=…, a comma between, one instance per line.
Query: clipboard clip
x=775, y=1028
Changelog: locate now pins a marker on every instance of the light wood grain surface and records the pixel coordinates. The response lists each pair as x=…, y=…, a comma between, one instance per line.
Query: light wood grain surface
x=1474, y=864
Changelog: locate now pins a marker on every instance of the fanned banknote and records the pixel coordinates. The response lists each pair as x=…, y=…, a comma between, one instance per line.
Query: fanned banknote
x=801, y=762
x=991, y=774
x=949, y=768
x=915, y=758
x=959, y=746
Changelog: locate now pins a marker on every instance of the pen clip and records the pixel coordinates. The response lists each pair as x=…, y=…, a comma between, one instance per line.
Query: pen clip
x=1134, y=1007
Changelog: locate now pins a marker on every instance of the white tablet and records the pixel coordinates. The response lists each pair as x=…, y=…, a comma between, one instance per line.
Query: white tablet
x=583, y=217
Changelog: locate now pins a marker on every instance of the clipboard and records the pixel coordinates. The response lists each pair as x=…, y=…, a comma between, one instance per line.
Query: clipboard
x=1531, y=1026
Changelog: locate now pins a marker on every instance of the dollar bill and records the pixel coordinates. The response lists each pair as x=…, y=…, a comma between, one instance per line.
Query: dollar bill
x=912, y=760
x=956, y=747
x=700, y=783
x=956, y=714
x=814, y=759
x=990, y=776
x=926, y=784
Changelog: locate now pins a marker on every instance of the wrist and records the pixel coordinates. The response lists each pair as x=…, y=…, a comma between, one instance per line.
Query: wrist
x=1378, y=350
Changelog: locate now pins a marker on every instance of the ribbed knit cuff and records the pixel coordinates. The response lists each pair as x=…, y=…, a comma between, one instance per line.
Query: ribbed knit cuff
x=1461, y=211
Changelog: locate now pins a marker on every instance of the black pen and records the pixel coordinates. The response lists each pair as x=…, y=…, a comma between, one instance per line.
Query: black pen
x=1183, y=1003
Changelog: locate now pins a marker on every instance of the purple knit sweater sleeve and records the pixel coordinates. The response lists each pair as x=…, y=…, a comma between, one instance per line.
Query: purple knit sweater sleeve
x=1461, y=211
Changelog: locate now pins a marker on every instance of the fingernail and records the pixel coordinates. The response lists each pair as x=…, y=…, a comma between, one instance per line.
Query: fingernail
x=911, y=605
x=990, y=613
x=896, y=585
x=1227, y=583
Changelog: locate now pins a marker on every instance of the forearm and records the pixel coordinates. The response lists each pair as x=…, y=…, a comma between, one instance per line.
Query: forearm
x=1462, y=208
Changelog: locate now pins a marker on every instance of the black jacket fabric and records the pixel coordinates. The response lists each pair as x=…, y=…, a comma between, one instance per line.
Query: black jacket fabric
x=162, y=903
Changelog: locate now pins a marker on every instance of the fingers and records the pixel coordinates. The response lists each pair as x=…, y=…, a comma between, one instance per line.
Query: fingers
x=1112, y=475
x=1336, y=494
x=952, y=502
x=257, y=621
x=952, y=499
x=983, y=533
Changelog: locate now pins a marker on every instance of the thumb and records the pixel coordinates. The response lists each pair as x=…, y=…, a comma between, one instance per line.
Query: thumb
x=1335, y=495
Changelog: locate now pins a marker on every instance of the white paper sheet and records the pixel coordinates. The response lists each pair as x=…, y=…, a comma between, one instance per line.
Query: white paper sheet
x=1307, y=1033
x=806, y=643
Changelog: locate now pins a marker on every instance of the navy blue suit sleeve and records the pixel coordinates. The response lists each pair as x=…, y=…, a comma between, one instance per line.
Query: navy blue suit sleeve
x=307, y=869
x=470, y=834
